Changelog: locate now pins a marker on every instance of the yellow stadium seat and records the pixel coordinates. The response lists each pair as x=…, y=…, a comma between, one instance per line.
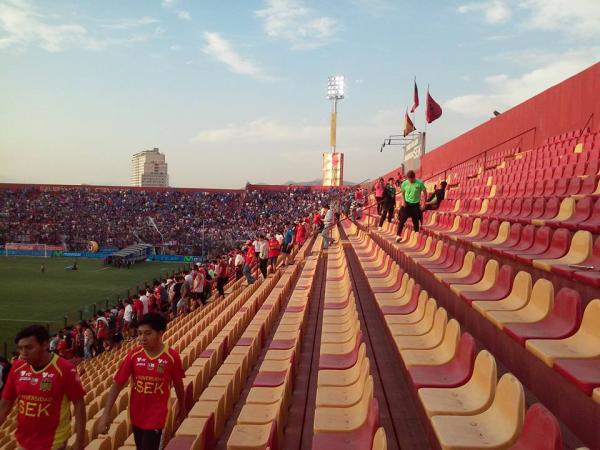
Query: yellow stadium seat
x=517, y=299
x=466, y=269
x=437, y=355
x=539, y=306
x=471, y=398
x=414, y=329
x=498, y=427
x=431, y=339
x=379, y=440
x=344, y=377
x=250, y=437
x=579, y=251
x=596, y=395
x=585, y=343
x=489, y=279
x=345, y=419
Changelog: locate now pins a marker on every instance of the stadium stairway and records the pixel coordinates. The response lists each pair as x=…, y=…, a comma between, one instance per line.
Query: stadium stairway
x=468, y=288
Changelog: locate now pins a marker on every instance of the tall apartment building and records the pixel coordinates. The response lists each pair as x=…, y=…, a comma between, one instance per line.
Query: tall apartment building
x=149, y=169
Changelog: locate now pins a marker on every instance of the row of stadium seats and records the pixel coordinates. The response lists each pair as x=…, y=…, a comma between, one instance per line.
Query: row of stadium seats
x=190, y=335
x=466, y=405
x=230, y=365
x=565, y=252
x=264, y=415
x=505, y=298
x=347, y=414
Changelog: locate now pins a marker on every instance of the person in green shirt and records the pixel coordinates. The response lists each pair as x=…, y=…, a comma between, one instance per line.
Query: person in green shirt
x=412, y=189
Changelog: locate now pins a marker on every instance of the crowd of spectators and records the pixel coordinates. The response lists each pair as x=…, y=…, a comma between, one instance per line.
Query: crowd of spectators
x=245, y=234
x=181, y=222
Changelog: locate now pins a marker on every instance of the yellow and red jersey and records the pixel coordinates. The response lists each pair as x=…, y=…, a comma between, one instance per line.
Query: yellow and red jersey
x=42, y=400
x=151, y=381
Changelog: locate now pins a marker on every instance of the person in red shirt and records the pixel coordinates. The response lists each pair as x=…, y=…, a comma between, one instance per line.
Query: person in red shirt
x=43, y=384
x=249, y=260
x=300, y=234
x=138, y=307
x=153, y=368
x=317, y=222
x=274, y=249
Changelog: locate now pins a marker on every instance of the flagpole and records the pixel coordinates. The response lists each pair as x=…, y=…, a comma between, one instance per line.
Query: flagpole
x=426, y=103
x=413, y=113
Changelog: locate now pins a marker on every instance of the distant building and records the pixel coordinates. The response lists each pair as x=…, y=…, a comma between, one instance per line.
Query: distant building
x=149, y=169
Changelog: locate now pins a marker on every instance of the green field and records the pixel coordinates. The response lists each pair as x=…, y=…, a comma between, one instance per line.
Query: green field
x=29, y=296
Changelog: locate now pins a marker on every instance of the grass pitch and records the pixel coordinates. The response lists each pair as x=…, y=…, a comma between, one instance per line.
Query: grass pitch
x=29, y=296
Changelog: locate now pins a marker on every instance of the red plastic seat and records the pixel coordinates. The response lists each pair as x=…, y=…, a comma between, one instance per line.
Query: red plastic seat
x=406, y=308
x=588, y=187
x=550, y=210
x=549, y=188
x=593, y=263
x=526, y=240
x=500, y=289
x=583, y=210
x=584, y=373
x=450, y=255
x=442, y=257
x=514, y=237
x=483, y=230
x=492, y=231
x=476, y=273
x=543, y=235
x=561, y=322
x=559, y=245
x=561, y=186
x=459, y=258
x=455, y=372
x=541, y=431
x=574, y=186
x=592, y=224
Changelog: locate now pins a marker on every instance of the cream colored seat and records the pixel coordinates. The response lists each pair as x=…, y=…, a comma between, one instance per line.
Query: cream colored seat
x=517, y=299
x=585, y=343
x=539, y=306
x=498, y=427
x=471, y=398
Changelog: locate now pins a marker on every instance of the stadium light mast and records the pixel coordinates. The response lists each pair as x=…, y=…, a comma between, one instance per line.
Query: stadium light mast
x=335, y=92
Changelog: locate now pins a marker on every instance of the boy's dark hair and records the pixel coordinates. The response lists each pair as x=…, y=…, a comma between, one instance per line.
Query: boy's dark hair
x=410, y=174
x=155, y=321
x=39, y=332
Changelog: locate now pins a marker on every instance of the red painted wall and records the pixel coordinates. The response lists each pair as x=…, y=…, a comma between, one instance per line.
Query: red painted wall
x=569, y=105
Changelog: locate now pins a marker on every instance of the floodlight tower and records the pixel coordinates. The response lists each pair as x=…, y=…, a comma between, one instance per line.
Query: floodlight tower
x=335, y=92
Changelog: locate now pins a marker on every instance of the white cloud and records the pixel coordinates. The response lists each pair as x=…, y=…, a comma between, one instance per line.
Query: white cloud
x=302, y=27
x=175, y=47
x=129, y=24
x=504, y=92
x=21, y=24
x=262, y=130
x=168, y=3
x=493, y=11
x=221, y=49
x=577, y=18
x=184, y=15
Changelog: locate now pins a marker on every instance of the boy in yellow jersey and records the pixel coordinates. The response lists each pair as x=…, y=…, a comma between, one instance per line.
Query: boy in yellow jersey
x=43, y=385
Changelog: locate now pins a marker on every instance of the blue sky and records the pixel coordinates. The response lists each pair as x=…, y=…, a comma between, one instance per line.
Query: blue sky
x=234, y=91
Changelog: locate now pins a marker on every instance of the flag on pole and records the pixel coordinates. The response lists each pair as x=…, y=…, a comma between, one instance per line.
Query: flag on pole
x=415, y=98
x=409, y=127
x=433, y=110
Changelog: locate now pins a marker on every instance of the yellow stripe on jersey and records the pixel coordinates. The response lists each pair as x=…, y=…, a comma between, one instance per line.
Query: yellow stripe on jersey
x=63, y=429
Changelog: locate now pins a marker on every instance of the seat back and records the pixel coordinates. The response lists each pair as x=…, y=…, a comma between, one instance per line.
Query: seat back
x=542, y=296
x=491, y=271
x=590, y=324
x=522, y=285
x=509, y=405
x=581, y=244
x=484, y=374
x=449, y=343
x=541, y=431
